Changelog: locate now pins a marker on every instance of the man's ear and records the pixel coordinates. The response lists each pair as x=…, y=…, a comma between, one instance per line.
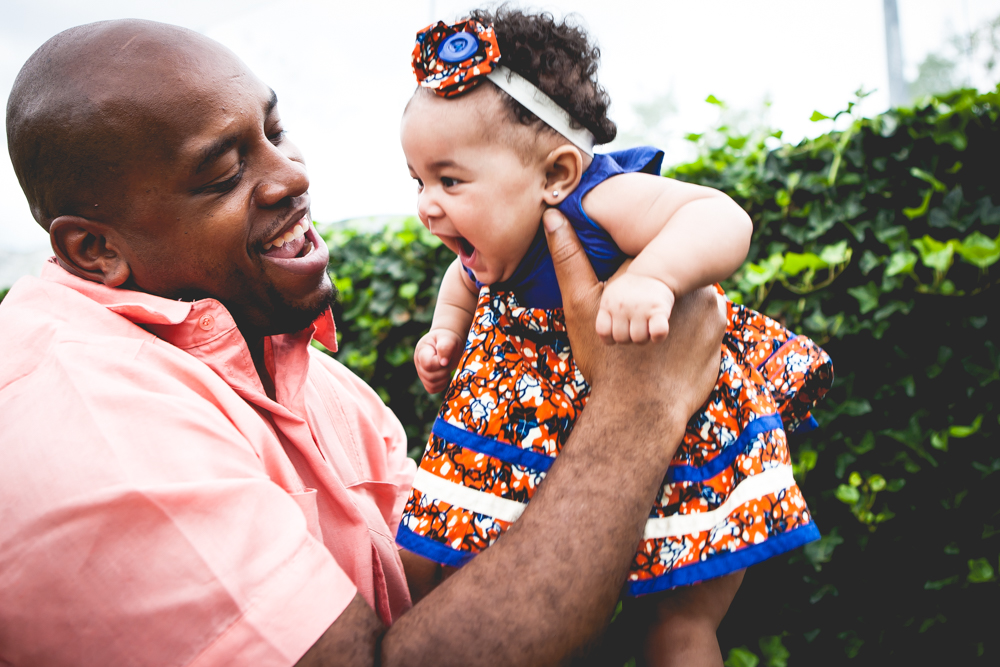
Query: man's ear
x=89, y=249
x=563, y=171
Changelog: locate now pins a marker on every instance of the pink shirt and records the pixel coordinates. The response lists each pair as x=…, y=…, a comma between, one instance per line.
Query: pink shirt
x=157, y=508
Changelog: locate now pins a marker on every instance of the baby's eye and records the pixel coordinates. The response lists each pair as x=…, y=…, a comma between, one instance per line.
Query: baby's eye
x=448, y=182
x=420, y=184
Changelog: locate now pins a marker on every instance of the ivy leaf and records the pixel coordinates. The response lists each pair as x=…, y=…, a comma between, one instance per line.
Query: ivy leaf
x=838, y=253
x=817, y=116
x=795, y=263
x=913, y=213
x=966, y=431
x=848, y=494
x=979, y=250
x=935, y=254
x=867, y=296
x=928, y=178
x=901, y=262
x=742, y=657
x=980, y=571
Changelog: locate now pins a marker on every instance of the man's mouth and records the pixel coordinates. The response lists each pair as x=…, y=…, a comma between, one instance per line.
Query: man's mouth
x=291, y=242
x=298, y=249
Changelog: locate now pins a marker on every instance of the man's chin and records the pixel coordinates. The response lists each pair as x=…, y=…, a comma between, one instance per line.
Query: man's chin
x=287, y=317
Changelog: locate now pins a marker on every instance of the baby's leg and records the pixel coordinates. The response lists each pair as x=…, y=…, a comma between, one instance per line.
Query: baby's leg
x=684, y=622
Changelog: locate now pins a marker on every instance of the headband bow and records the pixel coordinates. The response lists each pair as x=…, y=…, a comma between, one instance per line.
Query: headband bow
x=452, y=59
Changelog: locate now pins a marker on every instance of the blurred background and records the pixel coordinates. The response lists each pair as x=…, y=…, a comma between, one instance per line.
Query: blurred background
x=341, y=70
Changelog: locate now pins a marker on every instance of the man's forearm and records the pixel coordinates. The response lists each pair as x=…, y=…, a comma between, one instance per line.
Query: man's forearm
x=549, y=586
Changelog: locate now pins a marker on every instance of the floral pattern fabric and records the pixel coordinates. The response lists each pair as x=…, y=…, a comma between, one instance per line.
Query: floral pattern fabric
x=728, y=499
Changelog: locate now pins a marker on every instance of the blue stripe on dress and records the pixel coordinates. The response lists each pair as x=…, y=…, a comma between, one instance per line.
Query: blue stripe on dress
x=431, y=549
x=682, y=473
x=498, y=449
x=721, y=564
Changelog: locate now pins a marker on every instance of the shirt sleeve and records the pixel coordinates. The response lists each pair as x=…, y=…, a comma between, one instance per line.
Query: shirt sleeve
x=138, y=527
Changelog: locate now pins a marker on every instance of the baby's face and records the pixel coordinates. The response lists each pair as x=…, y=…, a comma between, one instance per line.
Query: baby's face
x=474, y=192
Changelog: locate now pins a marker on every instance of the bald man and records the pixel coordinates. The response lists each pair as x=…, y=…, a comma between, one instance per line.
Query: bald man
x=183, y=478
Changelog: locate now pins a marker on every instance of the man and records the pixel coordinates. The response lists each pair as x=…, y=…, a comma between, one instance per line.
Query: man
x=182, y=479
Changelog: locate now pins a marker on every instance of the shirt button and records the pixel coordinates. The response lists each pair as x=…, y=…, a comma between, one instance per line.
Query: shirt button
x=206, y=322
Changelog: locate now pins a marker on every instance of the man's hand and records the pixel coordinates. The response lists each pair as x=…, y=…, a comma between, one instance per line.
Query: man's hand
x=684, y=368
x=435, y=356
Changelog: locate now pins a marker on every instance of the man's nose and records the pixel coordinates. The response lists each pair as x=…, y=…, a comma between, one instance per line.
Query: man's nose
x=284, y=178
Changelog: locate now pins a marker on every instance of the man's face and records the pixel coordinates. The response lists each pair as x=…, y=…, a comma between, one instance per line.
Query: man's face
x=224, y=211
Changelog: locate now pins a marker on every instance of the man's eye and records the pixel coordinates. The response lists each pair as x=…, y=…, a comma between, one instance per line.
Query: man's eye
x=448, y=182
x=276, y=137
x=223, y=186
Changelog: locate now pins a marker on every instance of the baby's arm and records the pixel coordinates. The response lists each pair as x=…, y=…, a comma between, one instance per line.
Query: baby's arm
x=437, y=352
x=683, y=237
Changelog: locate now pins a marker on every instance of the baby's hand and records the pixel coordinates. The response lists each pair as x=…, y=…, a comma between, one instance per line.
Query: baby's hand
x=635, y=309
x=435, y=356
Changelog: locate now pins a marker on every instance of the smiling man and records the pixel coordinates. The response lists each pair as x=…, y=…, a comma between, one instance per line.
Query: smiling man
x=183, y=479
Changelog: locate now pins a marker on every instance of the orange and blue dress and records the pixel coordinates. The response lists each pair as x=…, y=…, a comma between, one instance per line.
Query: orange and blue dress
x=728, y=500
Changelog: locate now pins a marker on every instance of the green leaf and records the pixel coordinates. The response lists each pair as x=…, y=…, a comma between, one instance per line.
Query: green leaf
x=876, y=483
x=935, y=254
x=817, y=116
x=712, y=99
x=913, y=213
x=901, y=262
x=939, y=440
x=408, y=290
x=741, y=657
x=980, y=571
x=966, y=431
x=854, y=479
x=928, y=178
x=941, y=583
x=782, y=198
x=867, y=296
x=795, y=263
x=848, y=494
x=774, y=652
x=838, y=253
x=979, y=250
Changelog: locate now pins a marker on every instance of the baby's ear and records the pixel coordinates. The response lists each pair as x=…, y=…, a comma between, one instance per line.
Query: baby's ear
x=89, y=249
x=563, y=171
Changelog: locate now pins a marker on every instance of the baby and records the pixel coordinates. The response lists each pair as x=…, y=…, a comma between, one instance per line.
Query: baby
x=501, y=128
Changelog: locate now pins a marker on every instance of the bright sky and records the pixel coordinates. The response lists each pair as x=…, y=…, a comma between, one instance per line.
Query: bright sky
x=342, y=73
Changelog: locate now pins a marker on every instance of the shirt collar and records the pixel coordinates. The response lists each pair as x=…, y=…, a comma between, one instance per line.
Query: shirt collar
x=181, y=323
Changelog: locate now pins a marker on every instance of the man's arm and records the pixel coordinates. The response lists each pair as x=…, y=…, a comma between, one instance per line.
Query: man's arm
x=547, y=589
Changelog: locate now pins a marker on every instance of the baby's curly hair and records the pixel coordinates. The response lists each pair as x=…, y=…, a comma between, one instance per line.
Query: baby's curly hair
x=556, y=56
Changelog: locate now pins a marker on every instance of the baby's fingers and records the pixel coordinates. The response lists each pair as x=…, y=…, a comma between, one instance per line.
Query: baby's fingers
x=621, y=330
x=659, y=327
x=446, y=349
x=603, y=327
x=639, y=330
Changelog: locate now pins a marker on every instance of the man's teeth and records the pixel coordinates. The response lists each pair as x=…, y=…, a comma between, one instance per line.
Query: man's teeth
x=296, y=232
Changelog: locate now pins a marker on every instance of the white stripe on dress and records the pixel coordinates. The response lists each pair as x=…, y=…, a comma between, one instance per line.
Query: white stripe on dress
x=753, y=487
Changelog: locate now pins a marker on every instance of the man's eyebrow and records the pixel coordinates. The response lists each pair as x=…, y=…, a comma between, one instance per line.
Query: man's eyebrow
x=217, y=148
x=272, y=102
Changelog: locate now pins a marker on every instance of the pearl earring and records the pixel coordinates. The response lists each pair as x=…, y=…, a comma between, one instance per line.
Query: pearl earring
x=555, y=193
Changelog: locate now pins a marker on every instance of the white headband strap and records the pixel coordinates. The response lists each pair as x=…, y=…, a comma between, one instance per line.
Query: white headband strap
x=540, y=104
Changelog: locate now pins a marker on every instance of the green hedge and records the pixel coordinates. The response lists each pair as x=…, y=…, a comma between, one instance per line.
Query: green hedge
x=880, y=242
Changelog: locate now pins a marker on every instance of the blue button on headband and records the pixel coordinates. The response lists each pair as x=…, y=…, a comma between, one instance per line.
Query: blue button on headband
x=458, y=47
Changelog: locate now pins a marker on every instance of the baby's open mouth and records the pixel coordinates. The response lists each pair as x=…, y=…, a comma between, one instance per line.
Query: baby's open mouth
x=465, y=247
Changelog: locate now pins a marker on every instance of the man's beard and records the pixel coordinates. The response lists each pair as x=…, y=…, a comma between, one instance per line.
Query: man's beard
x=286, y=318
